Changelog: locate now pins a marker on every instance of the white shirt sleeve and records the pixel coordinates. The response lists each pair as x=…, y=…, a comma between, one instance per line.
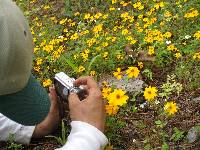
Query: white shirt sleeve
x=84, y=136
x=22, y=134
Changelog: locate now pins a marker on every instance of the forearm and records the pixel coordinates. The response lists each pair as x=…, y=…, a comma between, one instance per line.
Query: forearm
x=84, y=137
x=22, y=134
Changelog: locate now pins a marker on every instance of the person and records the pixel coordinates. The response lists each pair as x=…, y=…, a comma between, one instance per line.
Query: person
x=26, y=110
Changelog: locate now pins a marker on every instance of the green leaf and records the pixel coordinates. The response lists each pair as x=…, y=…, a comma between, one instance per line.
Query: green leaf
x=134, y=109
x=158, y=122
x=165, y=146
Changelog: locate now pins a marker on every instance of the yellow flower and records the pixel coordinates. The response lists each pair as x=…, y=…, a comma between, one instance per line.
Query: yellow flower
x=105, y=84
x=141, y=65
x=105, y=16
x=36, y=68
x=105, y=92
x=92, y=73
x=39, y=24
x=171, y=108
x=81, y=69
x=98, y=15
x=192, y=13
x=105, y=44
x=133, y=41
x=39, y=61
x=117, y=98
x=151, y=50
x=47, y=83
x=124, y=32
x=197, y=35
x=150, y=93
x=112, y=109
x=167, y=34
x=76, y=13
x=112, y=8
x=114, y=1
x=105, y=55
x=98, y=28
x=140, y=16
x=119, y=57
x=138, y=5
x=75, y=56
x=48, y=48
x=167, y=14
x=178, y=55
x=171, y=48
x=36, y=49
x=87, y=16
x=118, y=74
x=162, y=23
x=124, y=15
x=74, y=36
x=63, y=21
x=132, y=72
x=196, y=55
x=85, y=55
x=46, y=7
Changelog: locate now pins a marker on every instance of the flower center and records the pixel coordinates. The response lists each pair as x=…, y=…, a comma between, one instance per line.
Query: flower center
x=149, y=92
x=118, y=96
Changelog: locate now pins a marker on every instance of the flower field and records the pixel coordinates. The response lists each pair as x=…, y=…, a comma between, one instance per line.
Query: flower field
x=156, y=41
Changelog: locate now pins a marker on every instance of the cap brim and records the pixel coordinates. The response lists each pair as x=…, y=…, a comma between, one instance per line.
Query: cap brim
x=29, y=106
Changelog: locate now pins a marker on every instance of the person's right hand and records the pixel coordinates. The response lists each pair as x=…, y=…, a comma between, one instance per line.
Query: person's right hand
x=90, y=110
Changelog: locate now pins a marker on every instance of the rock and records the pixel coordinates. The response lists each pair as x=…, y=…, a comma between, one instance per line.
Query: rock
x=37, y=148
x=130, y=85
x=196, y=100
x=193, y=134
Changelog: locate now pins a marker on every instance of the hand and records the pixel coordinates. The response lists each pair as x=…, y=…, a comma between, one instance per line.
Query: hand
x=90, y=110
x=50, y=123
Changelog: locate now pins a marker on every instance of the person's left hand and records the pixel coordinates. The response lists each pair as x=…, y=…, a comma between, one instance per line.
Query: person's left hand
x=50, y=123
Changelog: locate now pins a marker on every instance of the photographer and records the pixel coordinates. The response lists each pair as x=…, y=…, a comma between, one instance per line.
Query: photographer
x=26, y=111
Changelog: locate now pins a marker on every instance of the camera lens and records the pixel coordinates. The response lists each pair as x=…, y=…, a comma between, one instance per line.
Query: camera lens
x=65, y=91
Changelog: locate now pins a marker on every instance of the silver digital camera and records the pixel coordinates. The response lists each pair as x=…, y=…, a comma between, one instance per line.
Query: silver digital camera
x=64, y=86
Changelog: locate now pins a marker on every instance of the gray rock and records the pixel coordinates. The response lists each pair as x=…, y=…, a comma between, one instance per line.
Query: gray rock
x=193, y=134
x=129, y=85
x=196, y=100
x=37, y=148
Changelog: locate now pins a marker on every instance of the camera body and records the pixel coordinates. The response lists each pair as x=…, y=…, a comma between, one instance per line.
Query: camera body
x=64, y=86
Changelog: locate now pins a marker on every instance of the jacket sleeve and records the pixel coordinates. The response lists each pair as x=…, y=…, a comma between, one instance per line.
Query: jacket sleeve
x=22, y=134
x=84, y=136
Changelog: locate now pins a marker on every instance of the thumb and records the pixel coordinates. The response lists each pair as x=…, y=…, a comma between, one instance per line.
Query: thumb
x=73, y=100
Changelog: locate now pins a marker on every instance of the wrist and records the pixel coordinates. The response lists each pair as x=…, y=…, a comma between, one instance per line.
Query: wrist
x=39, y=131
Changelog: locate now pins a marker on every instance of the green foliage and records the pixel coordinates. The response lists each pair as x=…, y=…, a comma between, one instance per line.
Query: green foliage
x=188, y=73
x=13, y=145
x=198, y=128
x=171, y=86
x=148, y=73
x=160, y=124
x=147, y=145
x=177, y=135
x=165, y=146
x=63, y=139
x=113, y=125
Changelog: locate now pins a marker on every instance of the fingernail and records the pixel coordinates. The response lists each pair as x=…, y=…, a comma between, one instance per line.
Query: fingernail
x=50, y=88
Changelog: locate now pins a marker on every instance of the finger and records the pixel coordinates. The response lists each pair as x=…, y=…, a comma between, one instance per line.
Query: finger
x=53, y=95
x=89, y=81
x=86, y=89
x=73, y=100
x=95, y=94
